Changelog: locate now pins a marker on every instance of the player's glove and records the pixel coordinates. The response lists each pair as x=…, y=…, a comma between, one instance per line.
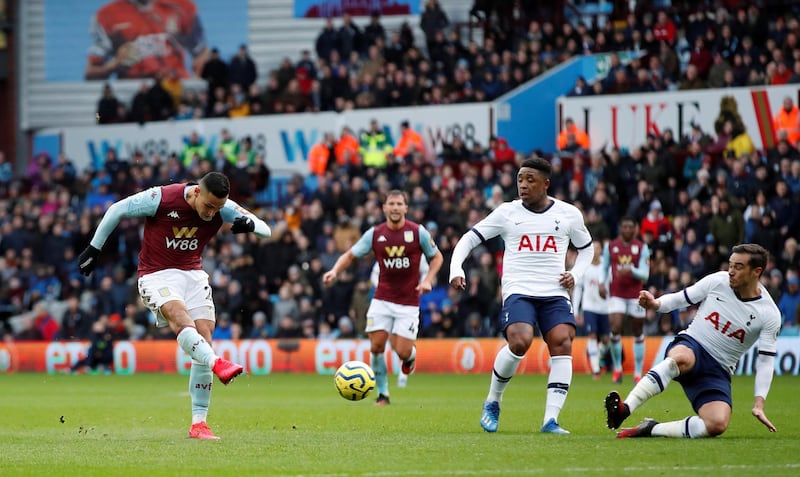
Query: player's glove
x=242, y=225
x=87, y=260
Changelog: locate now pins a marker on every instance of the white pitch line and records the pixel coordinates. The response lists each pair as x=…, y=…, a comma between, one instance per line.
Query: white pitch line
x=568, y=470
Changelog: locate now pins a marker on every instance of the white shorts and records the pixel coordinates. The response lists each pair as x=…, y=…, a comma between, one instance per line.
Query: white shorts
x=189, y=286
x=626, y=306
x=400, y=320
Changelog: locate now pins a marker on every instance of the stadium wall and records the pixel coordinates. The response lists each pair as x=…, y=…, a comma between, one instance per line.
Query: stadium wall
x=263, y=357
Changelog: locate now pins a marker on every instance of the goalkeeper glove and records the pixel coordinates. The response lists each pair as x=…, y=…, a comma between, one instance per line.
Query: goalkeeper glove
x=242, y=225
x=87, y=260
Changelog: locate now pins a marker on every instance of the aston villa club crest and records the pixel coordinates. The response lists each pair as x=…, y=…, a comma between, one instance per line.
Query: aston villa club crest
x=408, y=236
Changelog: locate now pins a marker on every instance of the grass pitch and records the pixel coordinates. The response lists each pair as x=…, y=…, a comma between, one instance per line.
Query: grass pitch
x=298, y=425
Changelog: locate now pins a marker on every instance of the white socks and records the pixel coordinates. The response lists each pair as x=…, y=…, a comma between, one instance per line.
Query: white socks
x=196, y=346
x=652, y=383
x=692, y=427
x=557, y=386
x=505, y=366
x=594, y=355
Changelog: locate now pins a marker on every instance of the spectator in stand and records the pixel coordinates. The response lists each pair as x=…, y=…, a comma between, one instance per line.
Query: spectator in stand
x=108, y=106
x=320, y=155
x=375, y=147
x=242, y=69
x=349, y=37
x=215, y=71
x=664, y=29
x=410, y=142
x=327, y=40
x=570, y=128
x=788, y=119
x=194, y=150
x=374, y=32
x=433, y=19
x=789, y=304
x=727, y=224
x=691, y=79
x=581, y=88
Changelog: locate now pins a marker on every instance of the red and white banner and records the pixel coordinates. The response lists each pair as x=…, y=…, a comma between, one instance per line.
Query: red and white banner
x=624, y=121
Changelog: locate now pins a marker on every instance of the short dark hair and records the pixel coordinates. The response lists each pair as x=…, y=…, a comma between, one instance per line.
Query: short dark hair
x=395, y=193
x=216, y=183
x=758, y=254
x=627, y=218
x=539, y=164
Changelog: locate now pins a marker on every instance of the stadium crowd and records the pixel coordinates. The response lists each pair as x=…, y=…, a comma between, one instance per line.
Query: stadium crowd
x=691, y=45
x=693, y=197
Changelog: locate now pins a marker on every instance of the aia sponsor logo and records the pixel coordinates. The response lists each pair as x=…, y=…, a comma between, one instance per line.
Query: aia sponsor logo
x=538, y=243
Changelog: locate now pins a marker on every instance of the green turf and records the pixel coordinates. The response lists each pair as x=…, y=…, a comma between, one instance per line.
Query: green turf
x=298, y=425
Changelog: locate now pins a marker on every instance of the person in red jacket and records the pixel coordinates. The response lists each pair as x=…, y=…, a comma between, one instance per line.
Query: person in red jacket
x=655, y=222
x=664, y=29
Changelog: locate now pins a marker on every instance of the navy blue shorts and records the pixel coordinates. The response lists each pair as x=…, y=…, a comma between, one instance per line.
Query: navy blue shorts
x=545, y=312
x=707, y=381
x=596, y=323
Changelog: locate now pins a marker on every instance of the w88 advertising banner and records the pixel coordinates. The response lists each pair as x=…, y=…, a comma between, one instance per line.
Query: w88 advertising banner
x=262, y=357
x=283, y=140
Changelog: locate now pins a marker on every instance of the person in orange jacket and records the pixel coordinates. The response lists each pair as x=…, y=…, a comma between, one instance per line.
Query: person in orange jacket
x=788, y=119
x=581, y=138
x=346, y=149
x=408, y=139
x=320, y=154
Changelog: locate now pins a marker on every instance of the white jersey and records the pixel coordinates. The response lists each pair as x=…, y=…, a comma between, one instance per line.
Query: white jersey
x=535, y=245
x=586, y=295
x=725, y=325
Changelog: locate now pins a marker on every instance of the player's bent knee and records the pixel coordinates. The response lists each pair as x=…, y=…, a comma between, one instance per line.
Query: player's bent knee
x=715, y=427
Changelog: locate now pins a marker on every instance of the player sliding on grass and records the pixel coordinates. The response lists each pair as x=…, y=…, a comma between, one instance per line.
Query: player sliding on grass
x=735, y=312
x=537, y=230
x=180, y=221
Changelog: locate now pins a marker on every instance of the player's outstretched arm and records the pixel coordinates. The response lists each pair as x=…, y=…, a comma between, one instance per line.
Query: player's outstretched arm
x=342, y=263
x=765, y=369
x=243, y=220
x=142, y=204
x=758, y=412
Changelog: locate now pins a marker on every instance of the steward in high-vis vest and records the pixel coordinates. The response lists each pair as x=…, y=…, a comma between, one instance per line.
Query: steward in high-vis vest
x=375, y=147
x=194, y=148
x=229, y=146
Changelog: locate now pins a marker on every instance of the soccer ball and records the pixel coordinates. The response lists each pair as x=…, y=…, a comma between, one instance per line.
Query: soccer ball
x=354, y=380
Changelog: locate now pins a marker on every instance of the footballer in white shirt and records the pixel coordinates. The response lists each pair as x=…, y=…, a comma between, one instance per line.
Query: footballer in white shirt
x=735, y=312
x=591, y=309
x=537, y=230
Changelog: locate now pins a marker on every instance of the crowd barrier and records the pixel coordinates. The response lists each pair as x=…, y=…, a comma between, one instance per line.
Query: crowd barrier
x=262, y=357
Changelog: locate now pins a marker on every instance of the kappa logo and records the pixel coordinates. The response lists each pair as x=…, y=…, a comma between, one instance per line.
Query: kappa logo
x=174, y=215
x=381, y=239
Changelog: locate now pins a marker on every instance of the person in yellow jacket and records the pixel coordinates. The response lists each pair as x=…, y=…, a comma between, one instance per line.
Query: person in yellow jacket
x=193, y=150
x=319, y=157
x=409, y=143
x=375, y=147
x=229, y=146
